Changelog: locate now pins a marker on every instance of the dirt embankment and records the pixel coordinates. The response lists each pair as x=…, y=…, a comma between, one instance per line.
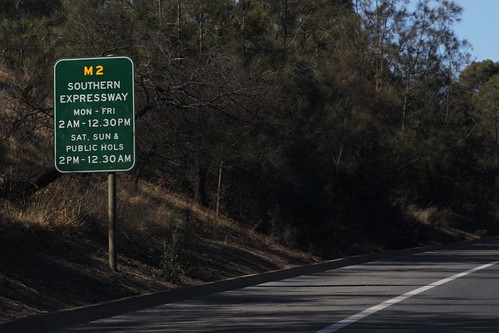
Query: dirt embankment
x=48, y=265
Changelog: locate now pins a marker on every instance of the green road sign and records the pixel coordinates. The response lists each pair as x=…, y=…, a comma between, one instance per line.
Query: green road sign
x=94, y=123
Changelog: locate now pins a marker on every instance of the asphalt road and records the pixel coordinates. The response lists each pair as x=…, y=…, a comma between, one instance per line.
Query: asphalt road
x=452, y=289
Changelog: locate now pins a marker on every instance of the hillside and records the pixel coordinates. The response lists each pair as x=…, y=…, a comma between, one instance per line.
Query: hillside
x=48, y=265
x=54, y=247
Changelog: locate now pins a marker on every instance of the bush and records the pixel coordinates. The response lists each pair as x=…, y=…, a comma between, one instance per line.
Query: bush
x=173, y=261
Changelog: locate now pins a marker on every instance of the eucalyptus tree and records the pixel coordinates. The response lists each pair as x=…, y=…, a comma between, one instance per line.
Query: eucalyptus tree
x=486, y=115
x=476, y=74
x=28, y=50
x=414, y=50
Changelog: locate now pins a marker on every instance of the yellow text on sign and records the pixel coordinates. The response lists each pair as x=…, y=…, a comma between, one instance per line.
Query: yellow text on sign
x=89, y=70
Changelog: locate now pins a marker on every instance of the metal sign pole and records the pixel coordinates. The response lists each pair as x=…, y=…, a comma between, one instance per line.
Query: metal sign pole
x=111, y=186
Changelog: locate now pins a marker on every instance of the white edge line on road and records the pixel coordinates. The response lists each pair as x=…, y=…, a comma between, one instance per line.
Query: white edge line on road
x=381, y=306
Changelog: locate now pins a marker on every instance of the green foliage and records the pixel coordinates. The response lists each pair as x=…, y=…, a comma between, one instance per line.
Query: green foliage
x=173, y=262
x=476, y=74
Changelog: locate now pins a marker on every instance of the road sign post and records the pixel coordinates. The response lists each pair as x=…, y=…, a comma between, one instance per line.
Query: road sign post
x=94, y=122
x=111, y=213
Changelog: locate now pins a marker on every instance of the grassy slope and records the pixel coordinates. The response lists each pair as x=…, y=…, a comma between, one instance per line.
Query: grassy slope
x=54, y=248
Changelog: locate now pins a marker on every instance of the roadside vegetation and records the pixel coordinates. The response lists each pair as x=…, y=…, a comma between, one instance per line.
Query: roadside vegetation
x=269, y=134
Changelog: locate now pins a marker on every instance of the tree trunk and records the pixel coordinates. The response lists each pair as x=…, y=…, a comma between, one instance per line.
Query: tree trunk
x=179, y=28
x=219, y=188
x=200, y=186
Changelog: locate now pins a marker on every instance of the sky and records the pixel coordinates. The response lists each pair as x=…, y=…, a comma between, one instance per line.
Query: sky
x=480, y=26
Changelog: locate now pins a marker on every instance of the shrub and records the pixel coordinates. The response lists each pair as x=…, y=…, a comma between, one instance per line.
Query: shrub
x=173, y=261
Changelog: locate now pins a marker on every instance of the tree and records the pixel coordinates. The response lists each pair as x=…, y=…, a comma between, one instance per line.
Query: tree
x=292, y=114
x=476, y=74
x=486, y=115
x=414, y=50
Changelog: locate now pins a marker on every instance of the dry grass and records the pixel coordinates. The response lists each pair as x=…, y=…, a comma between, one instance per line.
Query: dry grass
x=59, y=238
x=442, y=221
x=424, y=215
